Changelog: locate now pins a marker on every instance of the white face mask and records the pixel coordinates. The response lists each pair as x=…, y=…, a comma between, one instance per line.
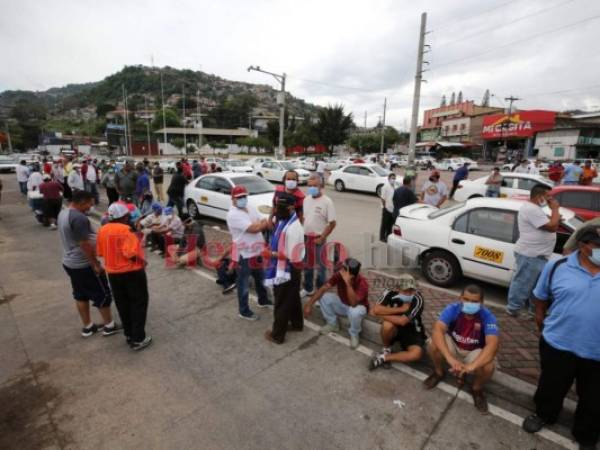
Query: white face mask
x=291, y=184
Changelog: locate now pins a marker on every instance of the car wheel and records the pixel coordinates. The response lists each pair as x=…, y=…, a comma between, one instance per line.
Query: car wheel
x=475, y=196
x=339, y=186
x=441, y=268
x=378, y=190
x=259, y=175
x=193, y=209
x=450, y=169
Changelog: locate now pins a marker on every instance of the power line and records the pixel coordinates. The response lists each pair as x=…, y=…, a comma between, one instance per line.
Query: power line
x=533, y=36
x=502, y=5
x=508, y=24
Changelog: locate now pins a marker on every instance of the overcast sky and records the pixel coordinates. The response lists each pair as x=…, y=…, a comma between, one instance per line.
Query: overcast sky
x=334, y=51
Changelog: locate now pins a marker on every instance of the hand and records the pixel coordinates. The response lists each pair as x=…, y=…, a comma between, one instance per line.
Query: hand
x=320, y=240
x=553, y=203
x=97, y=267
x=468, y=369
x=345, y=275
x=307, y=310
x=456, y=367
x=267, y=253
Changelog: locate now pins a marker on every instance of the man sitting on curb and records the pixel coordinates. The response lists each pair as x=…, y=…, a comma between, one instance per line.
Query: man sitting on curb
x=466, y=337
x=401, y=313
x=351, y=300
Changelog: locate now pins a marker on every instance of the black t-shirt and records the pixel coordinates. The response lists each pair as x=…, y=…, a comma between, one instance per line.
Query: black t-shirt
x=157, y=174
x=194, y=234
x=177, y=186
x=403, y=196
x=391, y=300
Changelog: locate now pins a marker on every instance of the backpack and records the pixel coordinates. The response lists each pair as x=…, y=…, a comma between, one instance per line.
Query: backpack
x=551, y=276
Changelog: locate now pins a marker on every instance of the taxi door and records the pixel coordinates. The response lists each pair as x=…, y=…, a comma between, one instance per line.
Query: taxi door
x=483, y=239
x=509, y=187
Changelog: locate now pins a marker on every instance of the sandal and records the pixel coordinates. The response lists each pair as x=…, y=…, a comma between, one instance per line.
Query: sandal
x=480, y=401
x=432, y=380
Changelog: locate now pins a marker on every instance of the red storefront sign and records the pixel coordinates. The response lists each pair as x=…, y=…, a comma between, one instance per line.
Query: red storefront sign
x=519, y=124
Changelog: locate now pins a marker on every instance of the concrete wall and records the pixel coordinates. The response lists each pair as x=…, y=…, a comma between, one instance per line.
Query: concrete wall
x=557, y=144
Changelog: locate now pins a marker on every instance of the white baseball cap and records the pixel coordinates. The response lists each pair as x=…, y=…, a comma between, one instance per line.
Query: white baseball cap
x=116, y=211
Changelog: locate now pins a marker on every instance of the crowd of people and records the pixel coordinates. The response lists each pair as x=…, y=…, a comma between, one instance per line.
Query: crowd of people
x=288, y=256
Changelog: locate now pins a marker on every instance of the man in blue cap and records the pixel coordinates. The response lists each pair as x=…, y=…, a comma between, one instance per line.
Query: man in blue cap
x=150, y=222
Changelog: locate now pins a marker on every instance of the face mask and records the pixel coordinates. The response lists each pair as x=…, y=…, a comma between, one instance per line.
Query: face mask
x=543, y=203
x=405, y=298
x=313, y=191
x=242, y=202
x=471, y=307
x=392, y=181
x=291, y=184
x=595, y=256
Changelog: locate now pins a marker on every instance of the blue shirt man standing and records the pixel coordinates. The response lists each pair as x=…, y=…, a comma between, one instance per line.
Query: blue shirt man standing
x=567, y=314
x=462, y=173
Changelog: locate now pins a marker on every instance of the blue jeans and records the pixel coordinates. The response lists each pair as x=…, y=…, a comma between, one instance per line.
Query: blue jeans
x=23, y=187
x=244, y=271
x=312, y=260
x=492, y=193
x=523, y=281
x=332, y=306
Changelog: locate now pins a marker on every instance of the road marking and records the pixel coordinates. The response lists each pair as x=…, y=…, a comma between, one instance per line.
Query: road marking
x=447, y=388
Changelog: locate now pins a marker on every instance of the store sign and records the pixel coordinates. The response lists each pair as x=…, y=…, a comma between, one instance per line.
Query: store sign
x=520, y=124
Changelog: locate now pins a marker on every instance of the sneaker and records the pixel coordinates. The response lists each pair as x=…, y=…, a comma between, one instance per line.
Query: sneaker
x=229, y=288
x=251, y=317
x=354, y=342
x=329, y=328
x=305, y=293
x=512, y=313
x=377, y=361
x=89, y=331
x=533, y=423
x=266, y=305
x=109, y=331
x=141, y=345
x=53, y=226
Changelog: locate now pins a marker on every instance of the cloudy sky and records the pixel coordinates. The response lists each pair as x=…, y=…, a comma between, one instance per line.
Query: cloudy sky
x=334, y=51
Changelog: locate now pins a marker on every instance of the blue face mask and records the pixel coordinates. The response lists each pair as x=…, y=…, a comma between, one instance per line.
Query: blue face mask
x=313, y=191
x=471, y=307
x=406, y=298
x=242, y=202
x=595, y=256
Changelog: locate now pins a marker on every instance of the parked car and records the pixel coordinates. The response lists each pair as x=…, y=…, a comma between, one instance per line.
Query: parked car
x=257, y=161
x=167, y=165
x=236, y=165
x=8, y=164
x=512, y=184
x=473, y=165
x=582, y=200
x=275, y=170
x=210, y=194
x=360, y=177
x=474, y=239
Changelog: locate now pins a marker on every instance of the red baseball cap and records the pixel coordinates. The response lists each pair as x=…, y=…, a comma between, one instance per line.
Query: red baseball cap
x=239, y=191
x=435, y=173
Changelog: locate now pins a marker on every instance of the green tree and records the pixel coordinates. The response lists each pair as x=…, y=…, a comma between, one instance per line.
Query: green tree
x=171, y=119
x=178, y=142
x=258, y=142
x=104, y=107
x=333, y=126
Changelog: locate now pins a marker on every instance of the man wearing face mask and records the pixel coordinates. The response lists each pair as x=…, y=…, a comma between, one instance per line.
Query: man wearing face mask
x=401, y=313
x=466, y=338
x=537, y=238
x=350, y=300
x=387, y=207
x=290, y=186
x=567, y=314
x=245, y=225
x=434, y=192
x=285, y=255
x=319, y=222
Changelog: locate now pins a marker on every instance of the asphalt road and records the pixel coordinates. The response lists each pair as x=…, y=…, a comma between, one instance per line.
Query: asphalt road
x=210, y=380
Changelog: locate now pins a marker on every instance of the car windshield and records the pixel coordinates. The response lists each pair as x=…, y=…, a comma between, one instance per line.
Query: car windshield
x=234, y=163
x=380, y=171
x=443, y=211
x=287, y=165
x=255, y=185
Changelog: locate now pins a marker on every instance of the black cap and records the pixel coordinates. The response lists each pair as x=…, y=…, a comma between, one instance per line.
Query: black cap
x=286, y=200
x=589, y=233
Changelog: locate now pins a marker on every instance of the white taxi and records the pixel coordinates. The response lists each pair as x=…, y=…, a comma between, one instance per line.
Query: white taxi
x=360, y=177
x=275, y=170
x=513, y=184
x=473, y=239
x=210, y=194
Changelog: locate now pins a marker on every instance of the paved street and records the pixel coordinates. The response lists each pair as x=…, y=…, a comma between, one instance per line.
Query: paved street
x=210, y=380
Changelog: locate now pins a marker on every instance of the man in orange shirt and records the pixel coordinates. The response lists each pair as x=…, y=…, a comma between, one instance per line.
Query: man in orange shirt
x=588, y=174
x=124, y=263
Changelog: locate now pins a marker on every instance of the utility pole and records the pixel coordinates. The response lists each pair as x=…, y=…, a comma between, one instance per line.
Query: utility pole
x=510, y=101
x=162, y=98
x=365, y=121
x=280, y=102
x=183, y=121
x=125, y=119
x=417, y=91
x=199, y=117
x=382, y=146
x=147, y=125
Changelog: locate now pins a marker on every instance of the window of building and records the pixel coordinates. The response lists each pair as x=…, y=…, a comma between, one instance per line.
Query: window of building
x=454, y=127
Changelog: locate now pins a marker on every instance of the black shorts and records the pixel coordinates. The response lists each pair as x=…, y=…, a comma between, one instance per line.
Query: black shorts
x=52, y=207
x=89, y=286
x=407, y=336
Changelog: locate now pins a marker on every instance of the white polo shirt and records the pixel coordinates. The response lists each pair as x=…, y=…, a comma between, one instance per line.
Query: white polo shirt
x=294, y=242
x=245, y=244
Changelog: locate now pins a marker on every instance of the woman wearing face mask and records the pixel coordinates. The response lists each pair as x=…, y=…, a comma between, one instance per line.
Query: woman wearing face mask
x=465, y=337
x=290, y=186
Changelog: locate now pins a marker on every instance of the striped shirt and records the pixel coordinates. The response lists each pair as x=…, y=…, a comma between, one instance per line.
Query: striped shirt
x=390, y=299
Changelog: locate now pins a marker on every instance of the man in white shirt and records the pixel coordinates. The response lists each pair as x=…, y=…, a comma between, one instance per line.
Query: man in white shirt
x=75, y=180
x=35, y=179
x=534, y=168
x=151, y=222
x=246, y=226
x=523, y=167
x=387, y=207
x=286, y=255
x=319, y=222
x=434, y=192
x=91, y=181
x=22, y=176
x=321, y=170
x=537, y=238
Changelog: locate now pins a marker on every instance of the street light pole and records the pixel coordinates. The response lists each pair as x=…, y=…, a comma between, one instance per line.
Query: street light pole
x=417, y=91
x=280, y=101
x=162, y=99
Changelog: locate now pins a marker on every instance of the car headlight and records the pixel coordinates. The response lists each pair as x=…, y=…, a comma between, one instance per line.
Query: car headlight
x=264, y=209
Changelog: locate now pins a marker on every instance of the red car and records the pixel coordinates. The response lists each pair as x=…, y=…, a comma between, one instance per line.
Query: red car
x=583, y=200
